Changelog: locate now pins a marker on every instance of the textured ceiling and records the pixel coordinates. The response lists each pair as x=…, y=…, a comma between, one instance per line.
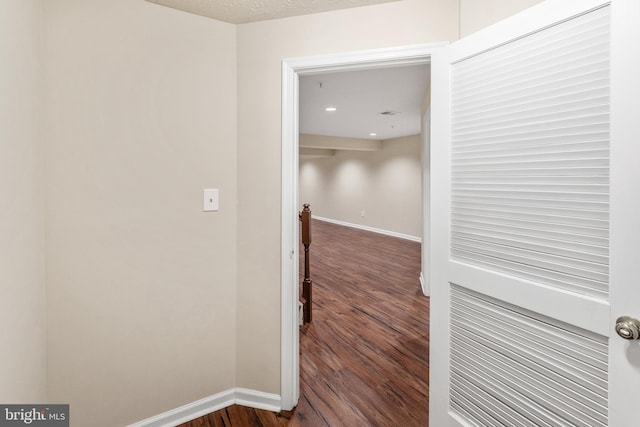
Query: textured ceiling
x=243, y=11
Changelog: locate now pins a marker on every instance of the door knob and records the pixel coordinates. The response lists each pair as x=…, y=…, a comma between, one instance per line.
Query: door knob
x=628, y=328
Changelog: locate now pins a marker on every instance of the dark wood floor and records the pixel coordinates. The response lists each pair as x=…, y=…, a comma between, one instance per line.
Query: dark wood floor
x=364, y=358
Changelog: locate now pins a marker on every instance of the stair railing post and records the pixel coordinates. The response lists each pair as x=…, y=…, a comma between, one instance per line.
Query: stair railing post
x=307, y=288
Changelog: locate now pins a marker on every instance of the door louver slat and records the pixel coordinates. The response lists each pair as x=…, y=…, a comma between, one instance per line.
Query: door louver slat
x=530, y=158
x=508, y=364
x=530, y=154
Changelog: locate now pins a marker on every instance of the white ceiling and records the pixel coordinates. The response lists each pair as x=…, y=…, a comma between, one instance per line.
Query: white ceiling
x=243, y=11
x=360, y=97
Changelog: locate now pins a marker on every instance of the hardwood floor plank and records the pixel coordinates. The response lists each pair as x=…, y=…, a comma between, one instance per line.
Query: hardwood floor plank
x=364, y=360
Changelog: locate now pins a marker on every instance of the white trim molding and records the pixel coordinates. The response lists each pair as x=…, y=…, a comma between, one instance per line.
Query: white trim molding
x=372, y=229
x=424, y=285
x=193, y=410
x=257, y=399
x=292, y=68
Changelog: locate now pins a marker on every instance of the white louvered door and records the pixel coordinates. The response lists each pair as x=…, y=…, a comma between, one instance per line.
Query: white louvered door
x=536, y=205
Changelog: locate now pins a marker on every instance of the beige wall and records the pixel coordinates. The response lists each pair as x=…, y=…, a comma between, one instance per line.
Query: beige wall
x=140, y=117
x=385, y=184
x=22, y=304
x=261, y=48
x=150, y=302
x=476, y=15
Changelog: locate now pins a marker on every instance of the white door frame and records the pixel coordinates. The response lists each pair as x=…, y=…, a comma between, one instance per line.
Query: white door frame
x=291, y=70
x=425, y=253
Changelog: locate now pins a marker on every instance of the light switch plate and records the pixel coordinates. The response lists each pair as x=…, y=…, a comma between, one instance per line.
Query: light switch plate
x=211, y=202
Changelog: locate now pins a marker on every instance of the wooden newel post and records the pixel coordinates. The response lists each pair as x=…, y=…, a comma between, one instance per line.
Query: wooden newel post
x=305, y=218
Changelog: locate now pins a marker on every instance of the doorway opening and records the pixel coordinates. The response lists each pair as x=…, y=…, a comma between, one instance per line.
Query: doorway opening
x=292, y=69
x=361, y=147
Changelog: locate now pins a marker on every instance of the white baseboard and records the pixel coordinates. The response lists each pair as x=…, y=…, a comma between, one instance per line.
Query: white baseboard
x=424, y=285
x=190, y=411
x=258, y=399
x=372, y=229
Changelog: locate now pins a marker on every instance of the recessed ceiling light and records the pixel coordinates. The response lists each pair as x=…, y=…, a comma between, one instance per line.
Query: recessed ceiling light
x=372, y=134
x=330, y=109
